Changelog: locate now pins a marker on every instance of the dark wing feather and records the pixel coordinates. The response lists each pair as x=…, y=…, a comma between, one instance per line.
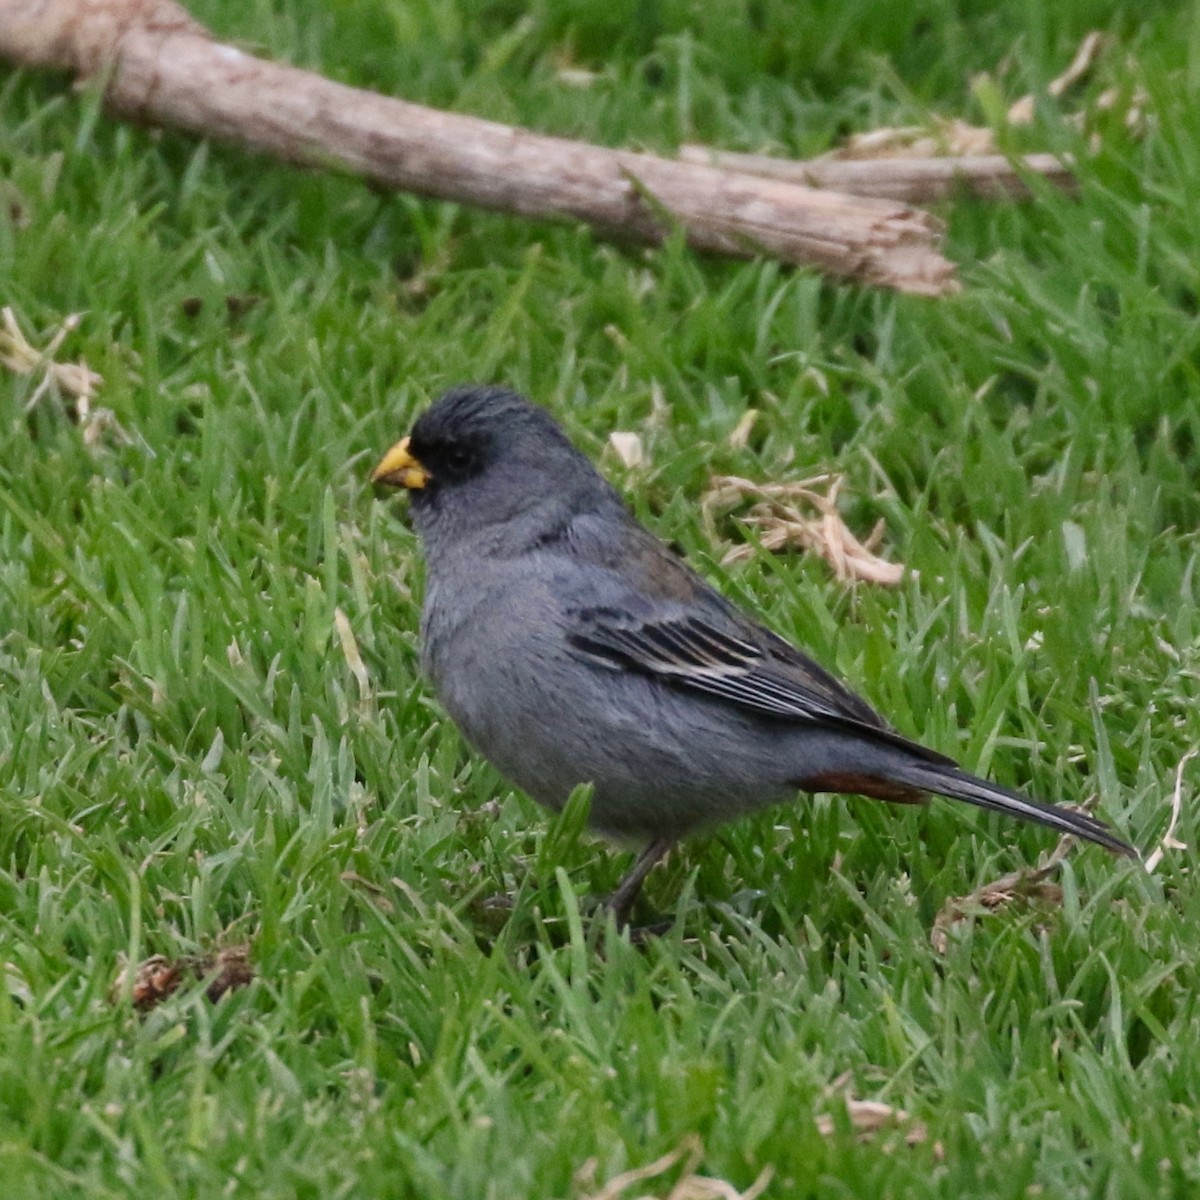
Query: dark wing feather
x=688, y=651
x=755, y=671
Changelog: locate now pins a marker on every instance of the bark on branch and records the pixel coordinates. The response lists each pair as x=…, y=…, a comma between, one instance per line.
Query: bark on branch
x=160, y=66
x=916, y=179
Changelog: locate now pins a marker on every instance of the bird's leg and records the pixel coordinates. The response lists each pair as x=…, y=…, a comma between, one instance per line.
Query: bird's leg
x=621, y=901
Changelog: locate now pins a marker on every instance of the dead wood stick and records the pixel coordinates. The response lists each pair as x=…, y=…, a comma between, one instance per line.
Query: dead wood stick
x=160, y=66
x=920, y=179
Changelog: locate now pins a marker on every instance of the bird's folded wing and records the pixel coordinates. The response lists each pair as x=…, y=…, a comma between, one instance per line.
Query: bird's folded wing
x=659, y=618
x=689, y=651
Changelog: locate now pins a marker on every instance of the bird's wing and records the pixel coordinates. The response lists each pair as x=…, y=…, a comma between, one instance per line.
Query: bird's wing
x=686, y=650
x=647, y=611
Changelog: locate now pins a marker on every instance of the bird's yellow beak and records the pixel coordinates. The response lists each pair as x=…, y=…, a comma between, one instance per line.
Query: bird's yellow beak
x=398, y=468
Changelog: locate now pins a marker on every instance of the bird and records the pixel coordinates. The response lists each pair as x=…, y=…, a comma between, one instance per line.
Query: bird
x=571, y=646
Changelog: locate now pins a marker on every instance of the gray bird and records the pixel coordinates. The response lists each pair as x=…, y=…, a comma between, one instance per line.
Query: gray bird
x=570, y=646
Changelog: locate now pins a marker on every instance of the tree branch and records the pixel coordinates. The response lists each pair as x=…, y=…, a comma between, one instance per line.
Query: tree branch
x=160, y=66
x=914, y=179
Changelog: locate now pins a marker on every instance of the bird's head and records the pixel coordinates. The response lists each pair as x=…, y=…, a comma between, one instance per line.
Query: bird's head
x=481, y=456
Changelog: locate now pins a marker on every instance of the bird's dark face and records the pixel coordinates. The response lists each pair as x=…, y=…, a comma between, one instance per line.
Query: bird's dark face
x=483, y=455
x=447, y=448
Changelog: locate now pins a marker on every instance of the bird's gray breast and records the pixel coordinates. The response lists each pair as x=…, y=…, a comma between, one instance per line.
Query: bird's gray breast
x=493, y=647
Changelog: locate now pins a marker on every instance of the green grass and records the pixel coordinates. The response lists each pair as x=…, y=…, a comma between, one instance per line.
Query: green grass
x=187, y=760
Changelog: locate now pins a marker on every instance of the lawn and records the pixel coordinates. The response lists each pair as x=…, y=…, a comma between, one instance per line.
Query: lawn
x=213, y=731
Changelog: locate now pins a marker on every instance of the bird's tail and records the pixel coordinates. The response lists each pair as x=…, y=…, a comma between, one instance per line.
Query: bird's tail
x=949, y=780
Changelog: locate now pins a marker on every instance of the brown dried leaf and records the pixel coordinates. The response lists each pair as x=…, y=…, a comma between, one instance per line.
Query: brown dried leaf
x=689, y=1186
x=576, y=77
x=1093, y=45
x=870, y=1117
x=227, y=972
x=19, y=355
x=942, y=137
x=783, y=525
x=960, y=138
x=739, y=438
x=158, y=977
x=153, y=981
x=1026, y=883
x=350, y=651
x=1136, y=119
x=628, y=448
x=76, y=380
x=373, y=890
x=1090, y=49
x=888, y=141
x=1169, y=840
x=100, y=422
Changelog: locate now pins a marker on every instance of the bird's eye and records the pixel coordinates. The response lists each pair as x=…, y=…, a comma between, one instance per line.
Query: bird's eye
x=458, y=458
